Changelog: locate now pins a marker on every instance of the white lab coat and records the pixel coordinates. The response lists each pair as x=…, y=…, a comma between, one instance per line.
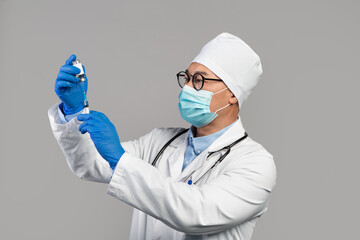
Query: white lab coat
x=225, y=204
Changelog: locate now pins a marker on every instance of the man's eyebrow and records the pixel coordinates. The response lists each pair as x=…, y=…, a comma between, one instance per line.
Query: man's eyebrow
x=201, y=72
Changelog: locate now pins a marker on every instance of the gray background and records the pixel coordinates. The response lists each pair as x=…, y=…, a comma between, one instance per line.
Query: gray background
x=304, y=110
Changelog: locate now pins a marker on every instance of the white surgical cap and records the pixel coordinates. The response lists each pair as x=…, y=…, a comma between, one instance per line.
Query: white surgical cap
x=234, y=62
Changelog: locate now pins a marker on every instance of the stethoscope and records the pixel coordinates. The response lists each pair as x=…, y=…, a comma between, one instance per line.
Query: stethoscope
x=189, y=178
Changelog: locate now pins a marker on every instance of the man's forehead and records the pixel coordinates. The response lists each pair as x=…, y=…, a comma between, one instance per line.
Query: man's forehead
x=201, y=72
x=198, y=68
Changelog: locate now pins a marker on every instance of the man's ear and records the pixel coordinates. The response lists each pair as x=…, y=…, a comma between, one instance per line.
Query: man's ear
x=233, y=99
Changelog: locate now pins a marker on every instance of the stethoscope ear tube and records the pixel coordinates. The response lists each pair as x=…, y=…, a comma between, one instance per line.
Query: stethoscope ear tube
x=230, y=146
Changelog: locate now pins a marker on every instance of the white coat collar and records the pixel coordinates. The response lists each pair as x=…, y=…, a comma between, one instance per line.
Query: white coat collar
x=179, y=141
x=235, y=132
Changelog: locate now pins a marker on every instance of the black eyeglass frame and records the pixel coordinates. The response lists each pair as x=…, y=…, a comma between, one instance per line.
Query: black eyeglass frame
x=194, y=77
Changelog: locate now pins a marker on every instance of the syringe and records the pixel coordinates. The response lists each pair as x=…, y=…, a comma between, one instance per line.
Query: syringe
x=82, y=79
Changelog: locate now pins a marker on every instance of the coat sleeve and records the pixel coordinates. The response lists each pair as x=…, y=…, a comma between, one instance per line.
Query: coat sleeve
x=239, y=194
x=79, y=150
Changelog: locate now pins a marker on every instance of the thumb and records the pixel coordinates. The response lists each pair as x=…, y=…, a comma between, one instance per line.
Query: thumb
x=70, y=59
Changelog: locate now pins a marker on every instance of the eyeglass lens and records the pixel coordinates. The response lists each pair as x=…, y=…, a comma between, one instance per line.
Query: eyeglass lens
x=183, y=79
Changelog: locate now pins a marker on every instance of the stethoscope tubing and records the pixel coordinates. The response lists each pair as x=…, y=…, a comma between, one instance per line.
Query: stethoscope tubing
x=167, y=144
x=227, y=148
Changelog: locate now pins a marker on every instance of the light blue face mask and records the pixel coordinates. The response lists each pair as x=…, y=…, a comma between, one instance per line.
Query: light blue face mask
x=194, y=106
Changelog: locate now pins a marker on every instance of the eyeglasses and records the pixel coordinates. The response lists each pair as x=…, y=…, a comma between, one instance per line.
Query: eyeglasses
x=197, y=79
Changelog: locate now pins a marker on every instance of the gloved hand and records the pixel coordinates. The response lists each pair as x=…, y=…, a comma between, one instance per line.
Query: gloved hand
x=103, y=134
x=69, y=89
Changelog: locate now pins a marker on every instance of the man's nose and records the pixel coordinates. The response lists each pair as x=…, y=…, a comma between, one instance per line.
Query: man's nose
x=189, y=83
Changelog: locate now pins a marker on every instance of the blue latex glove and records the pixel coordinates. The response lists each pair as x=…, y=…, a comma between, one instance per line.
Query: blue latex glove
x=69, y=89
x=103, y=134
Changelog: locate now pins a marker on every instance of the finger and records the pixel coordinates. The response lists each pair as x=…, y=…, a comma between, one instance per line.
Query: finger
x=70, y=69
x=98, y=115
x=83, y=127
x=87, y=126
x=67, y=77
x=83, y=117
x=70, y=59
x=84, y=130
x=95, y=113
x=65, y=84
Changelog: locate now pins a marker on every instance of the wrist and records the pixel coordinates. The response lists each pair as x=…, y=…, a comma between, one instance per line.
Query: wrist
x=113, y=162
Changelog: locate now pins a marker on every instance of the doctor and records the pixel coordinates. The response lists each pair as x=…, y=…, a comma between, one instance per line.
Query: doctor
x=211, y=181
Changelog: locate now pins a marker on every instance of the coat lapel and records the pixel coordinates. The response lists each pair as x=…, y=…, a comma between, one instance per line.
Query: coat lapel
x=201, y=164
x=175, y=159
x=231, y=135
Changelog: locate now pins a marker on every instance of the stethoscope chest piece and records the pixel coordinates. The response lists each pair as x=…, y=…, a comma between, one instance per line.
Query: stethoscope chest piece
x=190, y=181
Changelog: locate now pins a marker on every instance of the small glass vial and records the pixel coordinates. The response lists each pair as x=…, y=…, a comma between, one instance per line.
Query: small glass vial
x=81, y=76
